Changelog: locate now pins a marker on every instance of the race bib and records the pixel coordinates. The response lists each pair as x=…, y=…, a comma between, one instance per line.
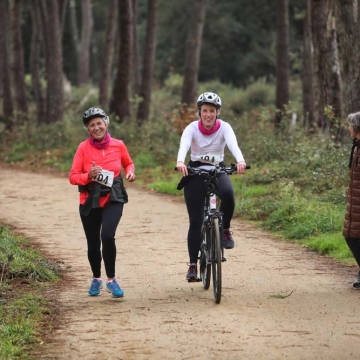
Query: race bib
x=105, y=178
x=210, y=158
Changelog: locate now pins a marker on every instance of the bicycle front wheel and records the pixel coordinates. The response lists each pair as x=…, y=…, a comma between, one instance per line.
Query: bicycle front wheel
x=205, y=265
x=216, y=259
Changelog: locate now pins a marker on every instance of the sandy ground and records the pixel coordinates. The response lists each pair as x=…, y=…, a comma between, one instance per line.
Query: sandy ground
x=164, y=317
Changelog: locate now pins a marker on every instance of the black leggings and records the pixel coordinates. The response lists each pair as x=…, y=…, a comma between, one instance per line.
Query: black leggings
x=354, y=246
x=100, y=227
x=194, y=193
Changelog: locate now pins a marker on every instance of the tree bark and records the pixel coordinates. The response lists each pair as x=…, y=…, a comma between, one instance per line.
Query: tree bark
x=35, y=61
x=193, y=50
x=18, y=71
x=5, y=79
x=350, y=45
x=120, y=104
x=148, y=63
x=308, y=73
x=328, y=69
x=135, y=53
x=282, y=61
x=84, y=49
x=63, y=4
x=54, y=64
x=108, y=54
x=335, y=93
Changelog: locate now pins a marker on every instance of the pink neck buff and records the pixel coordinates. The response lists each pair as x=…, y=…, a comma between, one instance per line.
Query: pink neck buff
x=100, y=145
x=211, y=131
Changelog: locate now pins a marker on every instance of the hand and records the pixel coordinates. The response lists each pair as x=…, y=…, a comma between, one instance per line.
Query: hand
x=240, y=167
x=94, y=171
x=130, y=177
x=182, y=168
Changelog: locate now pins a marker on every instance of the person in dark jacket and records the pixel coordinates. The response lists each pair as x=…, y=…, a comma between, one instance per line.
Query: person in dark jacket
x=351, y=230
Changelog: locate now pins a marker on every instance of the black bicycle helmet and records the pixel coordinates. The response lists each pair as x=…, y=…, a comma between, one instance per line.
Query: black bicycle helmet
x=94, y=112
x=209, y=98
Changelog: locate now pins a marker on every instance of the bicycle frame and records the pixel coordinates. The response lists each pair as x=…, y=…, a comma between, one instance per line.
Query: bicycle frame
x=211, y=250
x=211, y=212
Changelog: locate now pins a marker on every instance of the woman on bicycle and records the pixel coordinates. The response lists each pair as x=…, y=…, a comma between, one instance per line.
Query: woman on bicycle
x=96, y=169
x=207, y=138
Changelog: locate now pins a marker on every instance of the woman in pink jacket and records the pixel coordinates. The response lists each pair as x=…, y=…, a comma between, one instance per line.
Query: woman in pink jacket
x=96, y=169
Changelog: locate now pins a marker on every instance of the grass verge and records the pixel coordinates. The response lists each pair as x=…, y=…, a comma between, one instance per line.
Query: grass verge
x=24, y=276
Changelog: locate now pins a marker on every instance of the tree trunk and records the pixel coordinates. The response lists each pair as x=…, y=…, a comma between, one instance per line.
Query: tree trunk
x=135, y=53
x=54, y=64
x=335, y=92
x=350, y=45
x=282, y=63
x=84, y=50
x=5, y=80
x=328, y=68
x=74, y=33
x=108, y=54
x=63, y=4
x=18, y=70
x=308, y=73
x=148, y=62
x=120, y=104
x=35, y=61
x=193, y=50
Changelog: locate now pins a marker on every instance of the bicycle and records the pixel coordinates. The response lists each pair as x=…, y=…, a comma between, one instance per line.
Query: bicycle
x=211, y=253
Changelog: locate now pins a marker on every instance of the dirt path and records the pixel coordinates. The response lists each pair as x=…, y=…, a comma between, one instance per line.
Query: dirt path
x=164, y=317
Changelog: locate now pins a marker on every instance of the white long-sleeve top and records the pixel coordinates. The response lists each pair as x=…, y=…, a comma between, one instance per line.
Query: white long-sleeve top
x=208, y=148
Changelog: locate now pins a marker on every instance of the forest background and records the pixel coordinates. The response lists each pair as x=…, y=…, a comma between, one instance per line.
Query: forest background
x=287, y=72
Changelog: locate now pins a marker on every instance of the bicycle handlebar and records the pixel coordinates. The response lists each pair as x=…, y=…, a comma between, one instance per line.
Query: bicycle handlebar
x=225, y=170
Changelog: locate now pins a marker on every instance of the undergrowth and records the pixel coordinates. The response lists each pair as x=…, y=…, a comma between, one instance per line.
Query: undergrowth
x=24, y=276
x=296, y=186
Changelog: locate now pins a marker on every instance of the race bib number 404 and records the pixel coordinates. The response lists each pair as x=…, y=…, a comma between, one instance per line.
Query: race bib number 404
x=209, y=158
x=105, y=178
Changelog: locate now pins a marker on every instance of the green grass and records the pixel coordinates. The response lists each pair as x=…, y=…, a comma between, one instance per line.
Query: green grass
x=166, y=185
x=295, y=189
x=297, y=182
x=331, y=244
x=24, y=275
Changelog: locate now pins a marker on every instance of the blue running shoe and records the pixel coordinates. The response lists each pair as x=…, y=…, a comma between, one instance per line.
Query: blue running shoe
x=95, y=287
x=114, y=288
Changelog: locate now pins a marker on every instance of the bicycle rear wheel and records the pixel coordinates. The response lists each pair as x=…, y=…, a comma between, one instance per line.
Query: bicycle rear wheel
x=205, y=266
x=216, y=259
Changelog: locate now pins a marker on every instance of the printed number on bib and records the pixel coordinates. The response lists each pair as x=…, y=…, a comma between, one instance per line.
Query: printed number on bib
x=209, y=158
x=105, y=178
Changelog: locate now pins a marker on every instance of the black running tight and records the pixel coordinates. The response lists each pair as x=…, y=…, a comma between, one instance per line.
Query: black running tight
x=194, y=193
x=354, y=246
x=100, y=227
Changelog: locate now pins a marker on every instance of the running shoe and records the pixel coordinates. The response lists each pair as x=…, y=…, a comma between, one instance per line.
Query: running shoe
x=356, y=283
x=114, y=288
x=192, y=273
x=95, y=287
x=228, y=241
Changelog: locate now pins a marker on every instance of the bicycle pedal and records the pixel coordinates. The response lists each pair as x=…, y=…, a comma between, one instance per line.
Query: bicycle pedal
x=194, y=280
x=223, y=259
